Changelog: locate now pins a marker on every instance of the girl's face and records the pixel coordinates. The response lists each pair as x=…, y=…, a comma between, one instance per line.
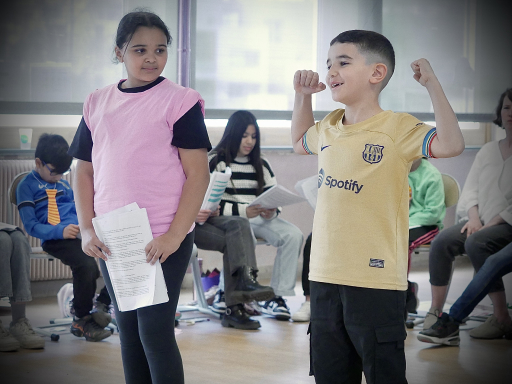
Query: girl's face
x=144, y=56
x=248, y=141
x=506, y=114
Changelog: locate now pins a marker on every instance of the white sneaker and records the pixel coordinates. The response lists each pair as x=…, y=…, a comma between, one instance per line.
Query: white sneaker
x=276, y=307
x=219, y=302
x=7, y=341
x=304, y=312
x=23, y=332
x=431, y=318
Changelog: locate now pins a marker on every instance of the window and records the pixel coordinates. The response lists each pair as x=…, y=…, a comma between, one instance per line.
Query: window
x=61, y=50
x=246, y=51
x=53, y=53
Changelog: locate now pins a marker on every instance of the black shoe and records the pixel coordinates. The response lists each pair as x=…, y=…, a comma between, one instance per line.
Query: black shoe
x=236, y=317
x=247, y=287
x=412, y=302
x=444, y=331
x=86, y=326
x=100, y=314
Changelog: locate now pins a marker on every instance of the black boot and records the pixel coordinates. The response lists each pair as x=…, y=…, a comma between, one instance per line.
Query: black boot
x=236, y=317
x=248, y=289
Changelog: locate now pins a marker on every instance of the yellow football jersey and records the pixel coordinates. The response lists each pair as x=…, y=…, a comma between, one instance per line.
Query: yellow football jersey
x=360, y=228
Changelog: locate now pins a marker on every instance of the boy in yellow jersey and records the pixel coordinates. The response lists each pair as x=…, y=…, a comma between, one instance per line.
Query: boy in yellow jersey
x=358, y=268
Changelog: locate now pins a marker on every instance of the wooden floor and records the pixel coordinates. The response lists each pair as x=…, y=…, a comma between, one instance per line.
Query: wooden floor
x=277, y=353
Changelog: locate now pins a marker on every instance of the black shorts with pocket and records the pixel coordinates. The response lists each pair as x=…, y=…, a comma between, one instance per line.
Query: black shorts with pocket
x=355, y=330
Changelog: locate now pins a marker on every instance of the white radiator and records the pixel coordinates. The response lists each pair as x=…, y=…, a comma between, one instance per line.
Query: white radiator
x=40, y=269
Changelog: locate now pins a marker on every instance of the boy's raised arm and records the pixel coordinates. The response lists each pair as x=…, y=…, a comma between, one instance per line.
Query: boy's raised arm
x=449, y=141
x=305, y=84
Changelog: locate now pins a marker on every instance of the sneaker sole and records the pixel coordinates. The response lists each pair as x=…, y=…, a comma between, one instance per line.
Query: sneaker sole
x=278, y=316
x=79, y=333
x=450, y=340
x=248, y=327
x=10, y=347
x=487, y=337
x=34, y=344
x=103, y=336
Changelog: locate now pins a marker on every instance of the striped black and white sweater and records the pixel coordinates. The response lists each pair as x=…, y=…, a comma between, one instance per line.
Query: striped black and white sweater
x=242, y=187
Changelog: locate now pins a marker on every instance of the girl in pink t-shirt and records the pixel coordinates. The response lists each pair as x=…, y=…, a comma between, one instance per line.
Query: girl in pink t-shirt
x=144, y=140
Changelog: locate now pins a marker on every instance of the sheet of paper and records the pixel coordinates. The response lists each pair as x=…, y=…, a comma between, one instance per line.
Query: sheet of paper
x=308, y=188
x=277, y=196
x=216, y=188
x=7, y=226
x=136, y=283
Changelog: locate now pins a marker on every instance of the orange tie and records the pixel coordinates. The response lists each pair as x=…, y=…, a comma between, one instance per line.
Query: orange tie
x=53, y=210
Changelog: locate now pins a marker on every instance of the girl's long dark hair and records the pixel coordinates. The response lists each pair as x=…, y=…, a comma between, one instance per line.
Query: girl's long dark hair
x=228, y=146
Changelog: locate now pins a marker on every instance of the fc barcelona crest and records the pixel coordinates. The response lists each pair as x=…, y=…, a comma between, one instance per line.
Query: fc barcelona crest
x=372, y=153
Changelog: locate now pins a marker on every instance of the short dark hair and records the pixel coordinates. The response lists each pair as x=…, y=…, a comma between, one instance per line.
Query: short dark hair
x=370, y=43
x=53, y=149
x=139, y=18
x=507, y=93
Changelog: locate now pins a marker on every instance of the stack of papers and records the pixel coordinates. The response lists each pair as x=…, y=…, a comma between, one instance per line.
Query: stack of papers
x=277, y=196
x=126, y=232
x=216, y=188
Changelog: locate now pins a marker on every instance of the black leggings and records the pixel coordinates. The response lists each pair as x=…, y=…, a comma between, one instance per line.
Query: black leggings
x=148, y=346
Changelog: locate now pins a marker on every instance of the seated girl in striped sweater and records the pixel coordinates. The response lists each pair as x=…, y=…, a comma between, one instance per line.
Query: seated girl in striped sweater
x=252, y=175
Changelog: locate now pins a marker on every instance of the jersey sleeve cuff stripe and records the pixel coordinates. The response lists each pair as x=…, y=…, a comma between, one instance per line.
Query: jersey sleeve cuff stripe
x=305, y=145
x=427, y=143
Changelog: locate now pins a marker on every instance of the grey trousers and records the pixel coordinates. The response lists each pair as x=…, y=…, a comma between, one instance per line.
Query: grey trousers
x=15, y=266
x=232, y=236
x=287, y=238
x=450, y=243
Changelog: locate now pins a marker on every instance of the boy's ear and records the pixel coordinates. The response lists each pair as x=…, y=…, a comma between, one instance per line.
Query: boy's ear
x=39, y=164
x=379, y=73
x=119, y=54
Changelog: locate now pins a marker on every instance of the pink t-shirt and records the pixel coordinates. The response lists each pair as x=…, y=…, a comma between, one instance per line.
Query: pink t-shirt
x=132, y=155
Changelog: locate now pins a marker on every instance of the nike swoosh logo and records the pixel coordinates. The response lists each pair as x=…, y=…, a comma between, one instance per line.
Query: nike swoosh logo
x=321, y=149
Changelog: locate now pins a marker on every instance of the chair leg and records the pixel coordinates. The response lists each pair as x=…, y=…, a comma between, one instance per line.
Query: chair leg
x=202, y=305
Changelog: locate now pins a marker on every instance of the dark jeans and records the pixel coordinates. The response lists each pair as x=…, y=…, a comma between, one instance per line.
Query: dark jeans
x=148, y=345
x=85, y=273
x=232, y=236
x=450, y=243
x=495, y=267
x=356, y=329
